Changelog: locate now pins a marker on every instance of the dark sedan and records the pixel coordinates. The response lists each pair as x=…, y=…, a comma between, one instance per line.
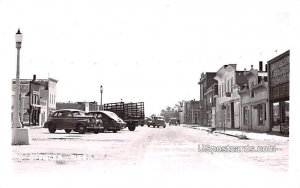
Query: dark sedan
x=71, y=119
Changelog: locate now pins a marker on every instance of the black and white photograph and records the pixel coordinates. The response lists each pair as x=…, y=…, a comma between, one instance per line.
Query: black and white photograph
x=149, y=93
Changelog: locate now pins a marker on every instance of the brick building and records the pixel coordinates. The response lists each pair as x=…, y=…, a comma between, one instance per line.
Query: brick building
x=207, y=100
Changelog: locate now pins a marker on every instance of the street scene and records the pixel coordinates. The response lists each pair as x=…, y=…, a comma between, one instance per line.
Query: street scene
x=147, y=93
x=147, y=153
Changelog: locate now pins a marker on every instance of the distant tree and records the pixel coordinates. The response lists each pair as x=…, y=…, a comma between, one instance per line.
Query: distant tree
x=172, y=112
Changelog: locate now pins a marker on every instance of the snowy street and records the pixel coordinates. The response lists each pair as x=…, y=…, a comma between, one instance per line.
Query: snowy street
x=146, y=152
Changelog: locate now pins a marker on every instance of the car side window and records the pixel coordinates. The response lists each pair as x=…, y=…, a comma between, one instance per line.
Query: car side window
x=76, y=114
x=67, y=114
x=59, y=114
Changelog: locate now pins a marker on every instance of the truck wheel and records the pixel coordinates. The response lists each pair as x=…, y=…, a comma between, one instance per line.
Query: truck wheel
x=81, y=128
x=131, y=128
x=68, y=130
x=51, y=128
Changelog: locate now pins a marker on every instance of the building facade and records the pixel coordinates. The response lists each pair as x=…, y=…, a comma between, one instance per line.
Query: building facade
x=230, y=82
x=37, y=100
x=279, y=98
x=84, y=106
x=206, y=97
x=254, y=101
x=191, y=112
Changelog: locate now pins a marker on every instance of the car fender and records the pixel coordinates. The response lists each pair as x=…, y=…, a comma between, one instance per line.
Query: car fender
x=84, y=122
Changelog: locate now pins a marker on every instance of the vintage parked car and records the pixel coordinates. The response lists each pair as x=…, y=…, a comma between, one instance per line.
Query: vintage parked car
x=173, y=121
x=72, y=119
x=148, y=121
x=158, y=121
x=110, y=121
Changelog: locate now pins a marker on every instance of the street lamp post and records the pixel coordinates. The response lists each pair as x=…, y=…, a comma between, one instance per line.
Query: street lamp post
x=16, y=115
x=20, y=136
x=101, y=91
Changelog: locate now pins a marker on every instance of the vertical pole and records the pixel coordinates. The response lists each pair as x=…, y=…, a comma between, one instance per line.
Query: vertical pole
x=101, y=102
x=16, y=115
x=29, y=118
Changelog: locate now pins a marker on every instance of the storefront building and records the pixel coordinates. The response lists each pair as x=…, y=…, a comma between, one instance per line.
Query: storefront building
x=279, y=98
x=254, y=101
x=228, y=100
x=37, y=100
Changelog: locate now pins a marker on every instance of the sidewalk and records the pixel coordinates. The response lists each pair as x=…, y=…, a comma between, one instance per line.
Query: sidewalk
x=243, y=134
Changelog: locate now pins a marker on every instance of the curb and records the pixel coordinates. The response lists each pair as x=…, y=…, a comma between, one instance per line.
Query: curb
x=233, y=135
x=216, y=131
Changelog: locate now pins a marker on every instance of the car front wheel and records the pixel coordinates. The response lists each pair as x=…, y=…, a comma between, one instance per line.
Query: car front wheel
x=81, y=128
x=68, y=130
x=51, y=128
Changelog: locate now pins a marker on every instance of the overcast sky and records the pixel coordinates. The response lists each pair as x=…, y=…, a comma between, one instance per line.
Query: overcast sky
x=152, y=51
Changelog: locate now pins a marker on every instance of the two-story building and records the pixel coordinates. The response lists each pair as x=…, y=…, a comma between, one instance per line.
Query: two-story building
x=37, y=100
x=230, y=82
x=254, y=100
x=279, y=92
x=207, y=100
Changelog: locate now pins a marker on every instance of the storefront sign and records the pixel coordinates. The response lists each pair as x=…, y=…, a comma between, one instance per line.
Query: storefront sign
x=279, y=72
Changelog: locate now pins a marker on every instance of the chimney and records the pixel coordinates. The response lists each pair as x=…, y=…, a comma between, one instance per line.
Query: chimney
x=260, y=66
x=266, y=65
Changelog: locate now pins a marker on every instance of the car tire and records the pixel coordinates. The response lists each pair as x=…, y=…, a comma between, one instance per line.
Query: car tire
x=148, y=125
x=115, y=131
x=96, y=131
x=131, y=128
x=81, y=128
x=51, y=128
x=68, y=130
x=164, y=126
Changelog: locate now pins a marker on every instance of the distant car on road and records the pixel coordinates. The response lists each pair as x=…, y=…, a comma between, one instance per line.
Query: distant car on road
x=158, y=121
x=110, y=121
x=72, y=119
x=173, y=121
x=148, y=120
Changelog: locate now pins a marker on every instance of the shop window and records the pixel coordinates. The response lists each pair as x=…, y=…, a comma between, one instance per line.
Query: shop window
x=246, y=115
x=286, y=115
x=276, y=114
x=231, y=85
x=228, y=113
x=260, y=111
